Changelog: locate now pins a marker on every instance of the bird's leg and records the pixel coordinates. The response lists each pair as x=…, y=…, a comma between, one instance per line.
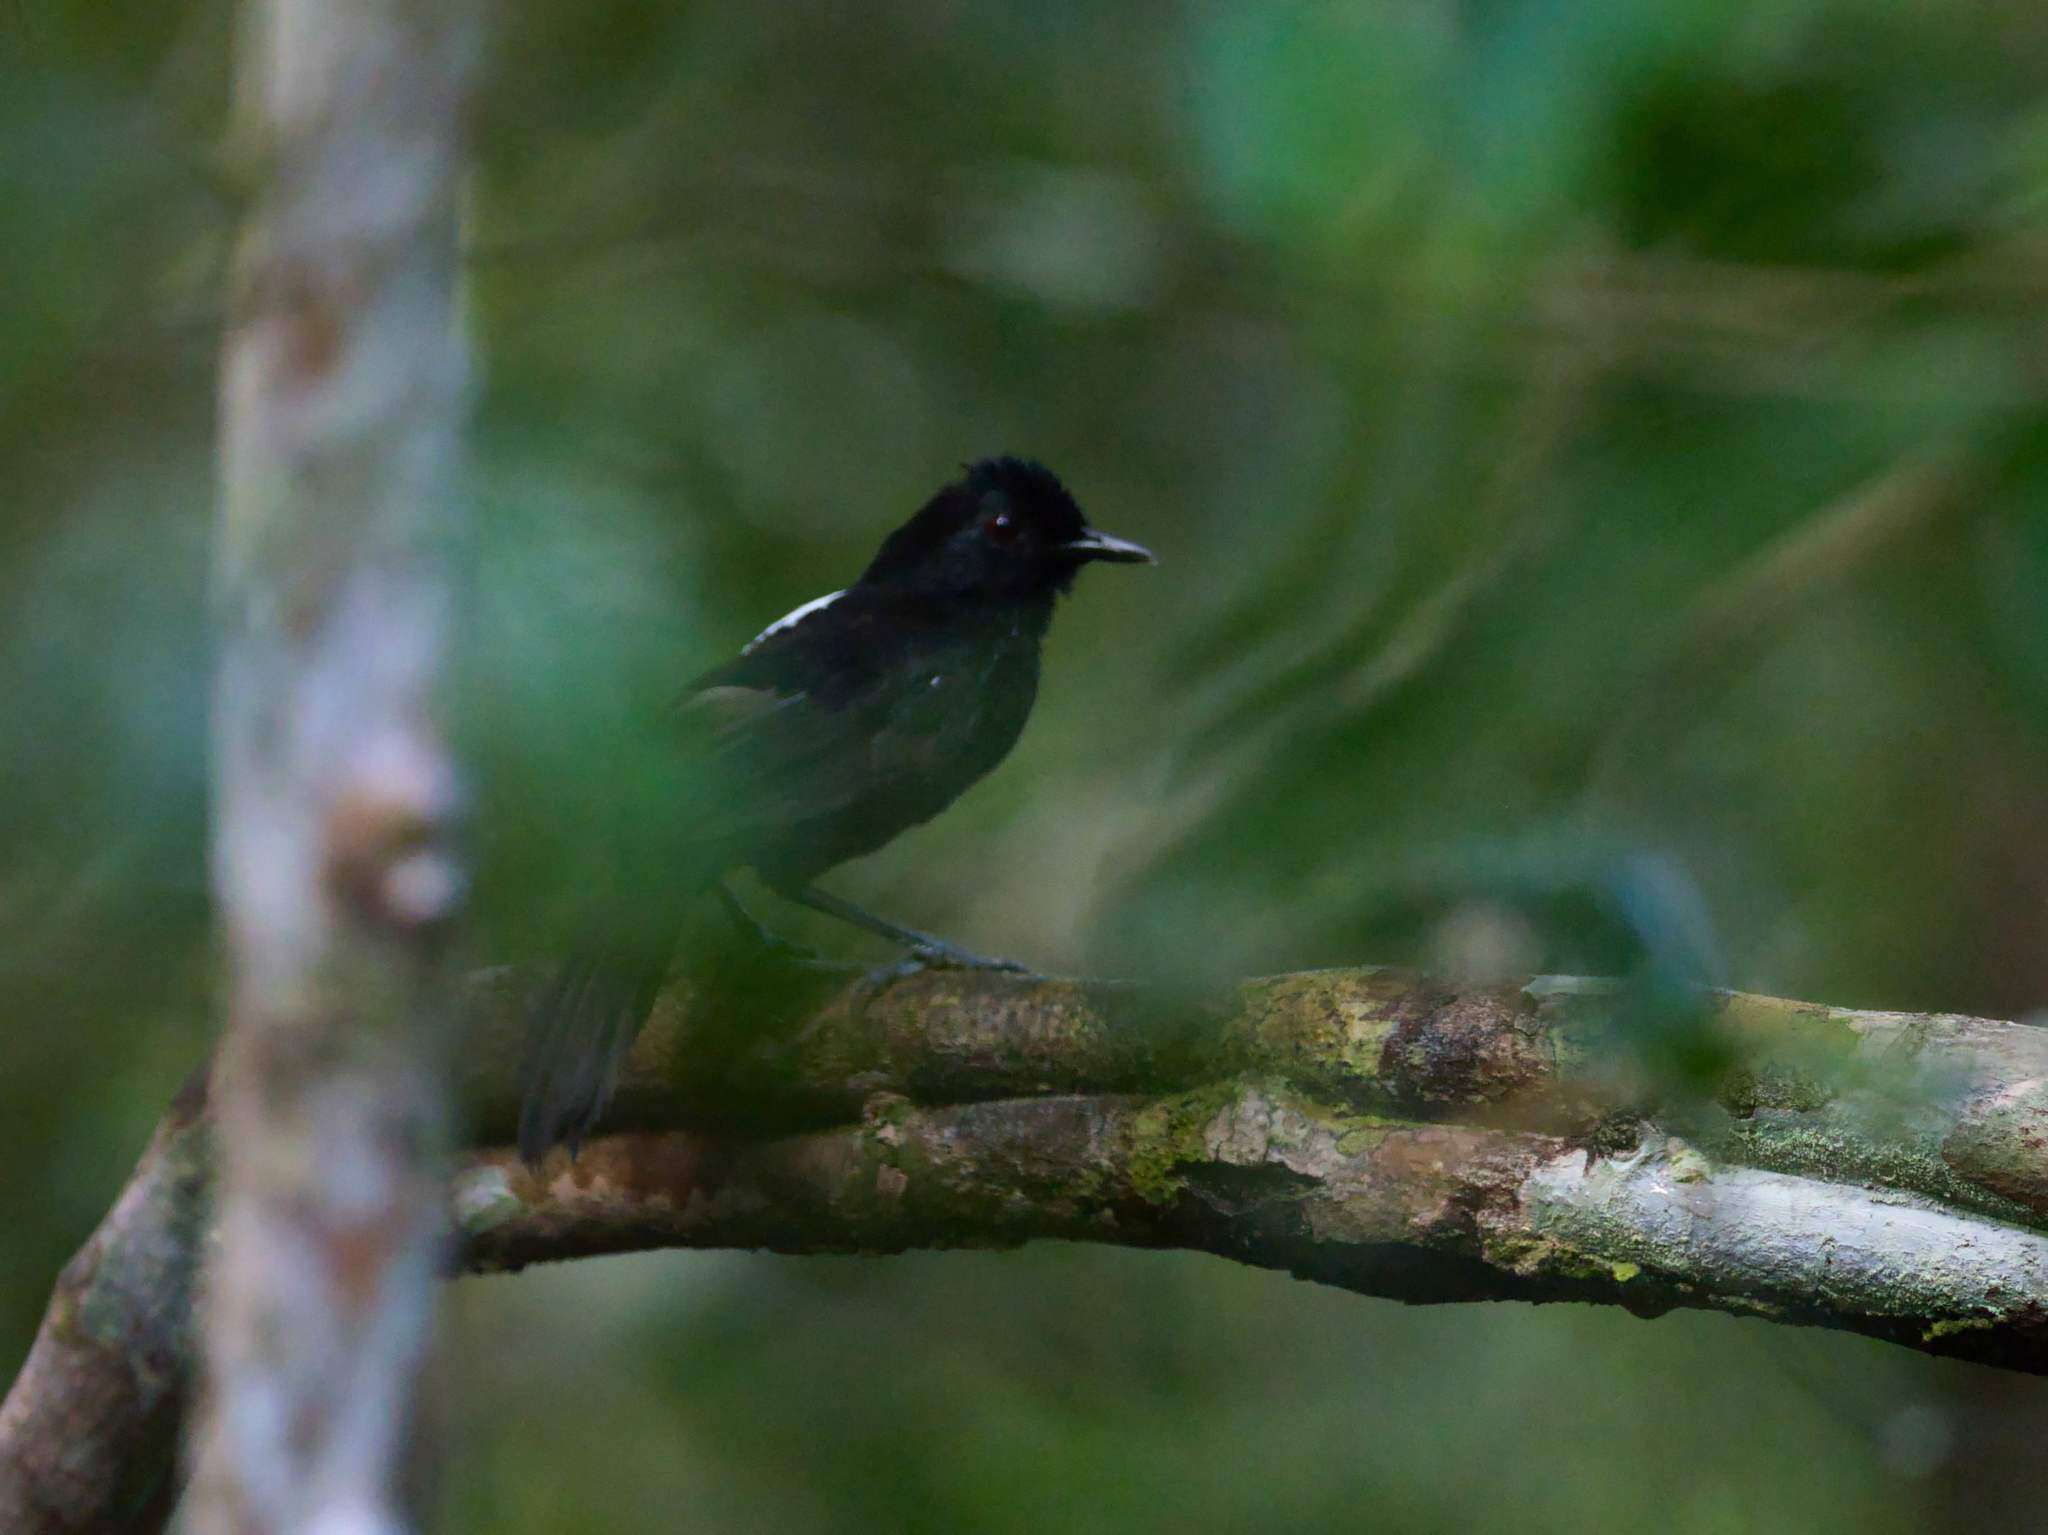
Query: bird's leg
x=923, y=947
x=759, y=936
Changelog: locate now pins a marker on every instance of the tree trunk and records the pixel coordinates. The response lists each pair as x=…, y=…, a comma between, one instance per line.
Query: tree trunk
x=335, y=869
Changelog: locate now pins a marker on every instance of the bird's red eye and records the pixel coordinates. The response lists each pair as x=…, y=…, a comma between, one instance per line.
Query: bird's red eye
x=1000, y=529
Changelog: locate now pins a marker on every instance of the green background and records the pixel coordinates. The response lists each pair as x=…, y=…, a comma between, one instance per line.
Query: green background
x=1477, y=371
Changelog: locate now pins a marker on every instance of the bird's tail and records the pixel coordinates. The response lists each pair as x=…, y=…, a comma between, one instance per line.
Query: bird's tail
x=577, y=1036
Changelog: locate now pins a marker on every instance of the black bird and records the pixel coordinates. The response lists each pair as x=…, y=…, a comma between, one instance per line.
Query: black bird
x=838, y=726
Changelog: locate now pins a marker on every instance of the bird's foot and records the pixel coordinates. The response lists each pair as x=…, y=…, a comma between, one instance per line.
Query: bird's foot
x=785, y=951
x=937, y=954
x=877, y=979
x=925, y=951
x=765, y=945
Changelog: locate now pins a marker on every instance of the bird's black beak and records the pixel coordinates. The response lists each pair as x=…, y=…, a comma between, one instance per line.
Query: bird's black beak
x=1092, y=545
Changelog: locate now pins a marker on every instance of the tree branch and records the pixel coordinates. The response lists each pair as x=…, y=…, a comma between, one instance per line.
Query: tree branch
x=1882, y=1173
x=89, y=1431
x=1877, y=1172
x=1419, y=1213
x=1951, y=1108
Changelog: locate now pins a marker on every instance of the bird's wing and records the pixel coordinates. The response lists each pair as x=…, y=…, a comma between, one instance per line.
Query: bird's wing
x=806, y=722
x=798, y=726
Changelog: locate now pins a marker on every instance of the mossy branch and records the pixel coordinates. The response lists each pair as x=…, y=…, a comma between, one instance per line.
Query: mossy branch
x=1374, y=1129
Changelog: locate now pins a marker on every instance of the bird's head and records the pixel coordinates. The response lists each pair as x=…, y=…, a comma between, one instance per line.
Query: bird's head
x=1006, y=529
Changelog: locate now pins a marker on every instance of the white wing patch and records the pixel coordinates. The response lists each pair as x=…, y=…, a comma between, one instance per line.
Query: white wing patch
x=790, y=620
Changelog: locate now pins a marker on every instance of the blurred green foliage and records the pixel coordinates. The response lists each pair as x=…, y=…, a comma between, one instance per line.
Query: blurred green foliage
x=1595, y=455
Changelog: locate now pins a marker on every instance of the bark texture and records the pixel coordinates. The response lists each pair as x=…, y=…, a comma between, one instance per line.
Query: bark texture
x=335, y=870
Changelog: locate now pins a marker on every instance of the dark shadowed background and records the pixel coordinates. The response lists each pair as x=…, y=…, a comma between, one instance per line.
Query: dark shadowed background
x=1596, y=457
